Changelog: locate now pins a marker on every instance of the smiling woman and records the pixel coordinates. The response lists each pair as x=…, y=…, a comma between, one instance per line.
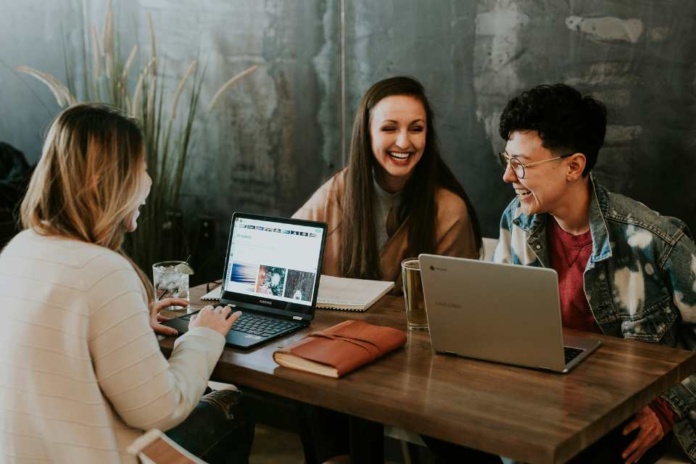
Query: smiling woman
x=396, y=198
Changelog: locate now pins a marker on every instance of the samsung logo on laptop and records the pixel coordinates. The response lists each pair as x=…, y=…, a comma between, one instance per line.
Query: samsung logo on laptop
x=266, y=302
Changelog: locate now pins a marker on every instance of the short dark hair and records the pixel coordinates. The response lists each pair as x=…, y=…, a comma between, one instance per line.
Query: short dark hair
x=566, y=120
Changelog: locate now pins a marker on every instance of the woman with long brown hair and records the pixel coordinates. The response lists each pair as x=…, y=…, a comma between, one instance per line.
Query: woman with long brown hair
x=396, y=198
x=82, y=373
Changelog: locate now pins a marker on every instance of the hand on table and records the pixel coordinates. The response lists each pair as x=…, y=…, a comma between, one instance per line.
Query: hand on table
x=649, y=434
x=156, y=317
x=215, y=318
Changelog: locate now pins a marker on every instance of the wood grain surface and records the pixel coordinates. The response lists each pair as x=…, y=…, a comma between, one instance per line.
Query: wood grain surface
x=528, y=415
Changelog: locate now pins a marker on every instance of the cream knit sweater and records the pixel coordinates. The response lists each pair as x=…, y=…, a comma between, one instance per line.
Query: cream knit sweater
x=81, y=373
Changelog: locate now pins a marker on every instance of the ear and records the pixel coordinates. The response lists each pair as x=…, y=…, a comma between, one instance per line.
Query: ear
x=575, y=164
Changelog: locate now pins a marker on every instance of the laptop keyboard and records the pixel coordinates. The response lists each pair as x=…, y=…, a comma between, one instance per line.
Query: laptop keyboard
x=571, y=353
x=259, y=325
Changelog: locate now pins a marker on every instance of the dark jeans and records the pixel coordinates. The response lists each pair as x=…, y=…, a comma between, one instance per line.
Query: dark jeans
x=218, y=430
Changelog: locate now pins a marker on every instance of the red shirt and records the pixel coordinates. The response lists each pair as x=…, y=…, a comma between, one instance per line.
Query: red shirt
x=569, y=255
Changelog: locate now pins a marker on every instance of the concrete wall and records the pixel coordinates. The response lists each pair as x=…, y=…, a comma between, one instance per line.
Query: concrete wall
x=283, y=130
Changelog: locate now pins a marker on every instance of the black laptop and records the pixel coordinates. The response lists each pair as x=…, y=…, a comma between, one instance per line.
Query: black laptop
x=271, y=275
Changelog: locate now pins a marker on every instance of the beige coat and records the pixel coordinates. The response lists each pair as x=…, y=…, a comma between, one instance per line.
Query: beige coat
x=454, y=234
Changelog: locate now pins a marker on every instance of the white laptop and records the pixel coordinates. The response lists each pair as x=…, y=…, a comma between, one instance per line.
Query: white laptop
x=498, y=312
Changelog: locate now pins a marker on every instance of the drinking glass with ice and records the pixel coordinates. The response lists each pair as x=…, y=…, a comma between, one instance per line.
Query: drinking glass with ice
x=171, y=280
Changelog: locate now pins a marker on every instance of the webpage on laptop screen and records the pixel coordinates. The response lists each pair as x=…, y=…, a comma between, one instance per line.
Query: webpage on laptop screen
x=273, y=260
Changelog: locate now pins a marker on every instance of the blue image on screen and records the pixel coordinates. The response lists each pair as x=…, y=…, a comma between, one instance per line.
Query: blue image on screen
x=244, y=273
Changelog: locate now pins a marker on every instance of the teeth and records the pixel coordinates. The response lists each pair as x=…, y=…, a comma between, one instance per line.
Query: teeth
x=522, y=193
x=399, y=155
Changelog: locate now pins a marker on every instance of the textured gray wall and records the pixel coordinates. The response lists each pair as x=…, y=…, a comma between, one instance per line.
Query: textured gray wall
x=437, y=43
x=636, y=56
x=277, y=135
x=31, y=35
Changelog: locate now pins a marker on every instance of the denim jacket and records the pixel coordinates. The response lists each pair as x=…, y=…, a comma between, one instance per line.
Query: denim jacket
x=640, y=280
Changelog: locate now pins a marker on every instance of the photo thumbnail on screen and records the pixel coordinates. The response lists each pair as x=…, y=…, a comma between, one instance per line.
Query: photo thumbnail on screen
x=299, y=285
x=243, y=273
x=271, y=280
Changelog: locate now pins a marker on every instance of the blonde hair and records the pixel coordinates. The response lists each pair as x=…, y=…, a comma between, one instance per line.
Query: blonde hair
x=86, y=183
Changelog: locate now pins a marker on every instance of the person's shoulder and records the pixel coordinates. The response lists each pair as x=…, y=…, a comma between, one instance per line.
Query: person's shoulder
x=449, y=203
x=332, y=187
x=324, y=198
x=94, y=260
x=630, y=212
x=103, y=271
x=65, y=259
x=85, y=254
x=61, y=249
x=336, y=183
x=511, y=211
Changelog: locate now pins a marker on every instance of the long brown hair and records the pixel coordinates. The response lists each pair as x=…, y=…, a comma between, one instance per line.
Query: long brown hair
x=86, y=183
x=359, y=254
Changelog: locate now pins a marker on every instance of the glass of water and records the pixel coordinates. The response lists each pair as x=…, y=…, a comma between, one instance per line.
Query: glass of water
x=416, y=316
x=171, y=280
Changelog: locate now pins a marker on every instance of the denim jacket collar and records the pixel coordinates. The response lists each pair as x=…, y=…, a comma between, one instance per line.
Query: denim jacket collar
x=599, y=205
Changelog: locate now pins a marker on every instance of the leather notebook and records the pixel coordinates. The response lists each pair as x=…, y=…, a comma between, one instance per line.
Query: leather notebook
x=340, y=349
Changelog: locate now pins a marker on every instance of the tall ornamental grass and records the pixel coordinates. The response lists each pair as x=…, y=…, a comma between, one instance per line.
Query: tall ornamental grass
x=167, y=115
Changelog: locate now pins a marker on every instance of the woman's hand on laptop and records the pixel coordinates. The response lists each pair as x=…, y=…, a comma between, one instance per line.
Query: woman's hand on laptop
x=156, y=317
x=218, y=319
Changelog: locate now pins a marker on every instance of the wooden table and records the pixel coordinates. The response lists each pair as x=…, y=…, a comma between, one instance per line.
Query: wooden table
x=524, y=414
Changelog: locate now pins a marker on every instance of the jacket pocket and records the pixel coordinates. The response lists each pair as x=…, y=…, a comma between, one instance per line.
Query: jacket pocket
x=652, y=323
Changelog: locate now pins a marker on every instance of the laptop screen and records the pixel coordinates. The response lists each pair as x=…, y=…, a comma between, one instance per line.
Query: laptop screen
x=274, y=263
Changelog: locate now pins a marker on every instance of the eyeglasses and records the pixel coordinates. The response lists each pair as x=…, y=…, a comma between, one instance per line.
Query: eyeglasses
x=520, y=168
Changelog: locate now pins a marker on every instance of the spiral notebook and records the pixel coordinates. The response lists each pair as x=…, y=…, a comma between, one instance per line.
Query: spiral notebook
x=339, y=293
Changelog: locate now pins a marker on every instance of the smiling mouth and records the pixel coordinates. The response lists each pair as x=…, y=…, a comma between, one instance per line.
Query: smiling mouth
x=523, y=193
x=400, y=155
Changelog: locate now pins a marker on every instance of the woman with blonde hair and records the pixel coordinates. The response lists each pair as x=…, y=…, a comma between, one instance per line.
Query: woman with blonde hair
x=82, y=374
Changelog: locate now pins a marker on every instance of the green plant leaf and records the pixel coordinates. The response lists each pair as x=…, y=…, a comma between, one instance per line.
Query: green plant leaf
x=166, y=115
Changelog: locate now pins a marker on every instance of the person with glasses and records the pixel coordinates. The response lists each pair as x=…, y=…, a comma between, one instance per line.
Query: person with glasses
x=623, y=269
